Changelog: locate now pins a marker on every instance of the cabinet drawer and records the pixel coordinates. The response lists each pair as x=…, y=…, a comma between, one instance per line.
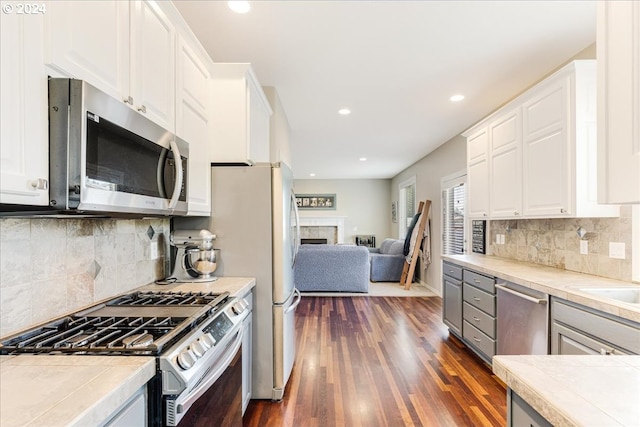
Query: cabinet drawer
x=478, y=339
x=480, y=320
x=522, y=414
x=480, y=281
x=452, y=270
x=480, y=299
x=620, y=333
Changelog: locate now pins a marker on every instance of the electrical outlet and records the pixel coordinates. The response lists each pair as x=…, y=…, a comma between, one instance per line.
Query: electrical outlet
x=584, y=247
x=502, y=239
x=616, y=250
x=497, y=239
x=153, y=253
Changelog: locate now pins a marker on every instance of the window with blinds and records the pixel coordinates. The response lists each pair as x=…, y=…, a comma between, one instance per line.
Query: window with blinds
x=410, y=203
x=453, y=220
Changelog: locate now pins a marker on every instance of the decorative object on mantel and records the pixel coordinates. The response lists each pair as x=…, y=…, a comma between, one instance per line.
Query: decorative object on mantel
x=316, y=201
x=394, y=211
x=414, y=248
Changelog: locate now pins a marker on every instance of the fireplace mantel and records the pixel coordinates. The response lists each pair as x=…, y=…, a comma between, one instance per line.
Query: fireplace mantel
x=325, y=221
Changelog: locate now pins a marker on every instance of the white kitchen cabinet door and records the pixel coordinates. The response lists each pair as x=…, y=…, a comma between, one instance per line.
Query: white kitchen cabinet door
x=89, y=40
x=618, y=45
x=547, y=167
x=478, y=174
x=153, y=59
x=24, y=137
x=505, y=179
x=193, y=121
x=241, y=116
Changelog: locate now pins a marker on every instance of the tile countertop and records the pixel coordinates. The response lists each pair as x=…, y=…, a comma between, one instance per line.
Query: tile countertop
x=553, y=281
x=557, y=387
x=38, y=390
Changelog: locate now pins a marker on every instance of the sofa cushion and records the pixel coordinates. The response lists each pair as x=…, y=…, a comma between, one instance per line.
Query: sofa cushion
x=334, y=268
x=396, y=248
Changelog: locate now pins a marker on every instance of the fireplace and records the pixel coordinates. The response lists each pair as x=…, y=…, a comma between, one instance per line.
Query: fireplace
x=313, y=241
x=329, y=228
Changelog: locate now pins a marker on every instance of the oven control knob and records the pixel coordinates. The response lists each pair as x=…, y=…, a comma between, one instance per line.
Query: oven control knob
x=198, y=349
x=207, y=341
x=186, y=359
x=240, y=306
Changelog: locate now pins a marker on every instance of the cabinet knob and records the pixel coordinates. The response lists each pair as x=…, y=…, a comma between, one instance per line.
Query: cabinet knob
x=484, y=214
x=142, y=109
x=563, y=210
x=128, y=100
x=516, y=213
x=39, y=184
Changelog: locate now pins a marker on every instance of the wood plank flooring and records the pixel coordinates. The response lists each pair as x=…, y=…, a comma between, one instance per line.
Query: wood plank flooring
x=381, y=361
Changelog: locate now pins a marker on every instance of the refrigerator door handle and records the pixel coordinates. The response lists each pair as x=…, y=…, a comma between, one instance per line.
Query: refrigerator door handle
x=296, y=237
x=295, y=303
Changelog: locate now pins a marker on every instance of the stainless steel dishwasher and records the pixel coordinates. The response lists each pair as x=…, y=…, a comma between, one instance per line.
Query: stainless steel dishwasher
x=523, y=320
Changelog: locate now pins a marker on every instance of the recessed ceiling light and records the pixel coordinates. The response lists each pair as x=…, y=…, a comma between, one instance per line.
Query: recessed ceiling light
x=363, y=159
x=456, y=98
x=312, y=174
x=344, y=111
x=239, y=6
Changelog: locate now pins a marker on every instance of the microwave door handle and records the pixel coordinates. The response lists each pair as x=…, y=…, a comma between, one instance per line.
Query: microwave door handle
x=179, y=174
x=160, y=174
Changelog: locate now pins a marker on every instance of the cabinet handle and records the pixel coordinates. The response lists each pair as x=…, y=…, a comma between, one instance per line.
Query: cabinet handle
x=606, y=352
x=476, y=319
x=563, y=210
x=476, y=339
x=484, y=214
x=39, y=184
x=476, y=299
x=450, y=271
x=128, y=100
x=516, y=213
x=142, y=109
x=476, y=281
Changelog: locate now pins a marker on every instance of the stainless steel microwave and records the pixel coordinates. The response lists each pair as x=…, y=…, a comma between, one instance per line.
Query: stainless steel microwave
x=107, y=158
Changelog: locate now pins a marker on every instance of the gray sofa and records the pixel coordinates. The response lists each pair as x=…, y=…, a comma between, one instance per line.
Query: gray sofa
x=387, y=261
x=332, y=268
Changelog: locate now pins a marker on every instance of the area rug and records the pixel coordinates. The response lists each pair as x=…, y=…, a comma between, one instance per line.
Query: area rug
x=381, y=289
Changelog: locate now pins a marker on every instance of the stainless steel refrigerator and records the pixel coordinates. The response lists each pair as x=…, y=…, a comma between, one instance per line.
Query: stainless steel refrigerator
x=255, y=219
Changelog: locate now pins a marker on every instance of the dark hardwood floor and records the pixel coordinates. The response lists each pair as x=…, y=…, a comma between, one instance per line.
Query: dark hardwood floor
x=381, y=361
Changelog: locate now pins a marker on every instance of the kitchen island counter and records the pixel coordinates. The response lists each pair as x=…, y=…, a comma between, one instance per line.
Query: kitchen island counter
x=83, y=390
x=576, y=390
x=563, y=284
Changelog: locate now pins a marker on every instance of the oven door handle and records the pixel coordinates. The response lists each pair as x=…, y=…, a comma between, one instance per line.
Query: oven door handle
x=227, y=357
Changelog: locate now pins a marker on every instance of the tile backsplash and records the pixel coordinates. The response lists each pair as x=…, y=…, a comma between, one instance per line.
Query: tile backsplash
x=50, y=267
x=556, y=243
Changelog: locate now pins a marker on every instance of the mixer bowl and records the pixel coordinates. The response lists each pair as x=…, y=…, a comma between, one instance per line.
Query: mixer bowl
x=200, y=262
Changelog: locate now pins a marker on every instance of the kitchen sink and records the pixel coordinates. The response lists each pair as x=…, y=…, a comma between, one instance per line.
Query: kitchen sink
x=629, y=295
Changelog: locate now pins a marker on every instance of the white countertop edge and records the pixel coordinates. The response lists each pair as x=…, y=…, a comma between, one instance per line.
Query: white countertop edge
x=557, y=403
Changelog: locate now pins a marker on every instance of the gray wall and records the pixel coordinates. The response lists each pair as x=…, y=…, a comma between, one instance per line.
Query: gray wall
x=365, y=204
x=449, y=158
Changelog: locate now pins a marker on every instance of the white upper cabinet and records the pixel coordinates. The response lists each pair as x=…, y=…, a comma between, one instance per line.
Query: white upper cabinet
x=193, y=119
x=153, y=53
x=89, y=40
x=505, y=180
x=618, y=50
x=126, y=49
x=241, y=114
x=478, y=173
x=24, y=133
x=542, y=158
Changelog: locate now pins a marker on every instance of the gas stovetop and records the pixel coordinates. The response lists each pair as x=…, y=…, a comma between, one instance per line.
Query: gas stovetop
x=142, y=323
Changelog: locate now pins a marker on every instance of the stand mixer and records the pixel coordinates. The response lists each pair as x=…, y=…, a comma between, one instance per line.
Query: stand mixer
x=196, y=259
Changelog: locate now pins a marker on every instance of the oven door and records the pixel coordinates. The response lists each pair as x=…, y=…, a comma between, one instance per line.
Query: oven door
x=216, y=399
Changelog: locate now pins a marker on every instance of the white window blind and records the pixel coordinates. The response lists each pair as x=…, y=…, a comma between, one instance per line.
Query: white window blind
x=453, y=220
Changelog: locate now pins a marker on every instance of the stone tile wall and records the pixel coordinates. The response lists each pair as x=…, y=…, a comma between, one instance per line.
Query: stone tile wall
x=50, y=267
x=320, y=232
x=556, y=243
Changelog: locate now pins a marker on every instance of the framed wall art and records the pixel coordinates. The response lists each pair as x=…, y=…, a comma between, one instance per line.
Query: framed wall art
x=394, y=211
x=316, y=201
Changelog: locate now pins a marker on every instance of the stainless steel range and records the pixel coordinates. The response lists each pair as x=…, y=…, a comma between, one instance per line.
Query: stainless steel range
x=195, y=337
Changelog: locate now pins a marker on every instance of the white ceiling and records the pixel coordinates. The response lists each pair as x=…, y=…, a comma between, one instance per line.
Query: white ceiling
x=394, y=64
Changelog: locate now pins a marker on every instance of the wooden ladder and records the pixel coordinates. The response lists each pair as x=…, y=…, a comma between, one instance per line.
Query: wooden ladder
x=409, y=268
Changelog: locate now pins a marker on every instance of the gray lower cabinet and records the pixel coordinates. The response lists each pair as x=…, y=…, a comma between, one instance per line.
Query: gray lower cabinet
x=452, y=298
x=520, y=413
x=132, y=413
x=469, y=308
x=247, y=354
x=576, y=329
x=479, y=313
